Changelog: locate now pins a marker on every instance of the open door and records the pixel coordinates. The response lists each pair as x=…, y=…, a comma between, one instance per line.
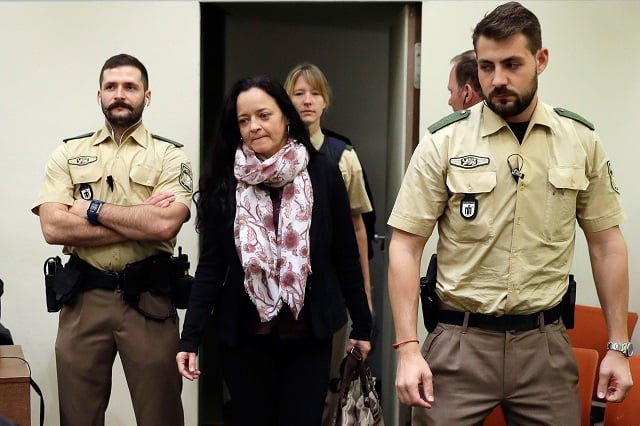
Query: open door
x=366, y=49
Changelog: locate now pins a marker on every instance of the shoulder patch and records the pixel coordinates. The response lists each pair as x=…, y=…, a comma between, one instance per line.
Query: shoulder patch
x=162, y=138
x=449, y=119
x=572, y=115
x=348, y=147
x=85, y=135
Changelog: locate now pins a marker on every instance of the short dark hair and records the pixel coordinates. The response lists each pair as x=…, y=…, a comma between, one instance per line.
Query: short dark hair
x=467, y=70
x=217, y=175
x=508, y=20
x=122, y=60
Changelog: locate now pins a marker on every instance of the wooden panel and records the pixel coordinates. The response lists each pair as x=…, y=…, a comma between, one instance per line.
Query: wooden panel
x=14, y=386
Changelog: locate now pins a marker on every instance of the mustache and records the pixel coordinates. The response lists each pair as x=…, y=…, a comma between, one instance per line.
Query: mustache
x=120, y=104
x=499, y=91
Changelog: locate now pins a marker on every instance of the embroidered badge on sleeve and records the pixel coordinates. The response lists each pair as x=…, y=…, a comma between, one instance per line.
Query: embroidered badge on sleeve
x=612, y=179
x=186, y=177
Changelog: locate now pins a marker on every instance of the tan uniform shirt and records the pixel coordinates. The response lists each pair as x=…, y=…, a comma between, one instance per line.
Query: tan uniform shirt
x=512, y=251
x=351, y=174
x=95, y=167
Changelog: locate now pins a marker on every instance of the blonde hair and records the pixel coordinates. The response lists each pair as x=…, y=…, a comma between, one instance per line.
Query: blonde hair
x=314, y=76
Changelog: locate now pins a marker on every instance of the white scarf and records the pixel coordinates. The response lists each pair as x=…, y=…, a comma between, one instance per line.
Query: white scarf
x=276, y=266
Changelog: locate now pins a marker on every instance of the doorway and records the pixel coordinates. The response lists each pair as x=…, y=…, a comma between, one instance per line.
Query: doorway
x=358, y=47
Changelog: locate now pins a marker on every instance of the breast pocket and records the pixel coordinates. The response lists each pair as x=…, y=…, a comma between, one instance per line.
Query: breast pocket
x=562, y=193
x=470, y=208
x=143, y=179
x=86, y=180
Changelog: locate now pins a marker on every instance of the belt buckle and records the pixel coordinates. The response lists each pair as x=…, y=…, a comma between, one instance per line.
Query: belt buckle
x=116, y=279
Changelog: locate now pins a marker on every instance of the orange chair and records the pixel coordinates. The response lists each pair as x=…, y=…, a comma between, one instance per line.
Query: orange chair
x=587, y=371
x=587, y=360
x=626, y=413
x=495, y=418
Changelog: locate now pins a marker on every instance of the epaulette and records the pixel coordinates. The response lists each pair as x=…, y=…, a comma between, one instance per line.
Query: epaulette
x=162, y=138
x=572, y=115
x=449, y=119
x=86, y=135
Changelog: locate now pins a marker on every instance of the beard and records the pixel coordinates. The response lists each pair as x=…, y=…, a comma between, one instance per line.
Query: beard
x=511, y=108
x=123, y=119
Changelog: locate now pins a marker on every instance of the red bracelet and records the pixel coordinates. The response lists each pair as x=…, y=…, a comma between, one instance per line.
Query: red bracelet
x=397, y=345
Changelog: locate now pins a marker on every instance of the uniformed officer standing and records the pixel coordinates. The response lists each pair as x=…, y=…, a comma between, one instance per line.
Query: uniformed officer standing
x=116, y=200
x=505, y=182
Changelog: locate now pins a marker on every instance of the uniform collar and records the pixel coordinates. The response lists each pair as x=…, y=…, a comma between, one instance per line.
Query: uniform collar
x=139, y=135
x=317, y=139
x=492, y=122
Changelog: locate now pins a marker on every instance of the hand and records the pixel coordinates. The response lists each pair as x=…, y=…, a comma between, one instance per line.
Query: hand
x=615, y=377
x=187, y=365
x=414, y=384
x=161, y=199
x=363, y=345
x=79, y=208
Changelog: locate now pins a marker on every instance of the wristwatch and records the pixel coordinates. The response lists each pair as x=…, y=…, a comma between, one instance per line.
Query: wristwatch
x=93, y=210
x=625, y=349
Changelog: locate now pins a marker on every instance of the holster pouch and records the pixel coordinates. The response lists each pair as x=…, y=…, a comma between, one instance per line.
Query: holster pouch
x=428, y=295
x=61, y=283
x=181, y=281
x=569, y=304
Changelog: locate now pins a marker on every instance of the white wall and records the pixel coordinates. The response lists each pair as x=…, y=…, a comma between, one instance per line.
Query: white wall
x=593, y=70
x=52, y=53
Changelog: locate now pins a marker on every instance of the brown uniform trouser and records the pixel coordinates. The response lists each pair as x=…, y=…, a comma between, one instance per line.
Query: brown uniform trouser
x=92, y=329
x=532, y=374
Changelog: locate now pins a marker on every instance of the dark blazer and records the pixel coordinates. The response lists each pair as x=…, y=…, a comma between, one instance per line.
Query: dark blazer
x=218, y=291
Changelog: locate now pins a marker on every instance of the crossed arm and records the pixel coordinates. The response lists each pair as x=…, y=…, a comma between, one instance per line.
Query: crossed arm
x=159, y=218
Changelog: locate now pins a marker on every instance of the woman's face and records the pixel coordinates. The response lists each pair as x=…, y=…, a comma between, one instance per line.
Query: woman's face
x=262, y=123
x=308, y=101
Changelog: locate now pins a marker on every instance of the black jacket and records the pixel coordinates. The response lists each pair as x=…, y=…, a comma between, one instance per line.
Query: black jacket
x=218, y=292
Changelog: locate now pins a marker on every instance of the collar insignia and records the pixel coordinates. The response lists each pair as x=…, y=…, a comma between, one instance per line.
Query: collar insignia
x=82, y=160
x=469, y=161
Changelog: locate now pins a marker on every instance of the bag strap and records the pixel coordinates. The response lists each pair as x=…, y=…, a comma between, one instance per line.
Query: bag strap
x=36, y=388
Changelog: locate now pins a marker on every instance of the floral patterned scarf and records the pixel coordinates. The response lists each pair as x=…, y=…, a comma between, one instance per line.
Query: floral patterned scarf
x=276, y=266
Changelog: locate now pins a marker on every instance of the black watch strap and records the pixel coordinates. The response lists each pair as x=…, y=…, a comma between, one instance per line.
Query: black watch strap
x=93, y=211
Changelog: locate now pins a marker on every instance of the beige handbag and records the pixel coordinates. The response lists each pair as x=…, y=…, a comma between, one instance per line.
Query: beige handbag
x=359, y=403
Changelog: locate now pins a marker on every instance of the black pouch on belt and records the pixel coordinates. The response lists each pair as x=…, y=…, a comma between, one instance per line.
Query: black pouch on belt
x=569, y=304
x=428, y=296
x=61, y=283
x=181, y=281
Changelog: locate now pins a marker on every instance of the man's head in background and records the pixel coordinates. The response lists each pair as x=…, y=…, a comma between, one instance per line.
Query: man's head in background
x=464, y=86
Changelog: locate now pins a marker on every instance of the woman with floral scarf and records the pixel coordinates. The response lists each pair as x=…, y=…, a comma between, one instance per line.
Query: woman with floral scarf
x=279, y=250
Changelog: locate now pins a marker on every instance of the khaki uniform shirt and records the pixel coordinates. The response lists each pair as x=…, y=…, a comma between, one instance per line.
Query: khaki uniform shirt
x=95, y=167
x=507, y=246
x=351, y=174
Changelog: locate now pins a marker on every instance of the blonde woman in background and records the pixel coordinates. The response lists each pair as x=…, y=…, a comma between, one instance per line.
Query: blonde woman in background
x=310, y=93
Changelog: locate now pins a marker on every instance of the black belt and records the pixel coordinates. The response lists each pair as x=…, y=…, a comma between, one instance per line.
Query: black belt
x=93, y=278
x=501, y=323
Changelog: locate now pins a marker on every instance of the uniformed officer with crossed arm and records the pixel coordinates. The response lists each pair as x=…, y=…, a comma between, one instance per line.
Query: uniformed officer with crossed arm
x=505, y=182
x=116, y=200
